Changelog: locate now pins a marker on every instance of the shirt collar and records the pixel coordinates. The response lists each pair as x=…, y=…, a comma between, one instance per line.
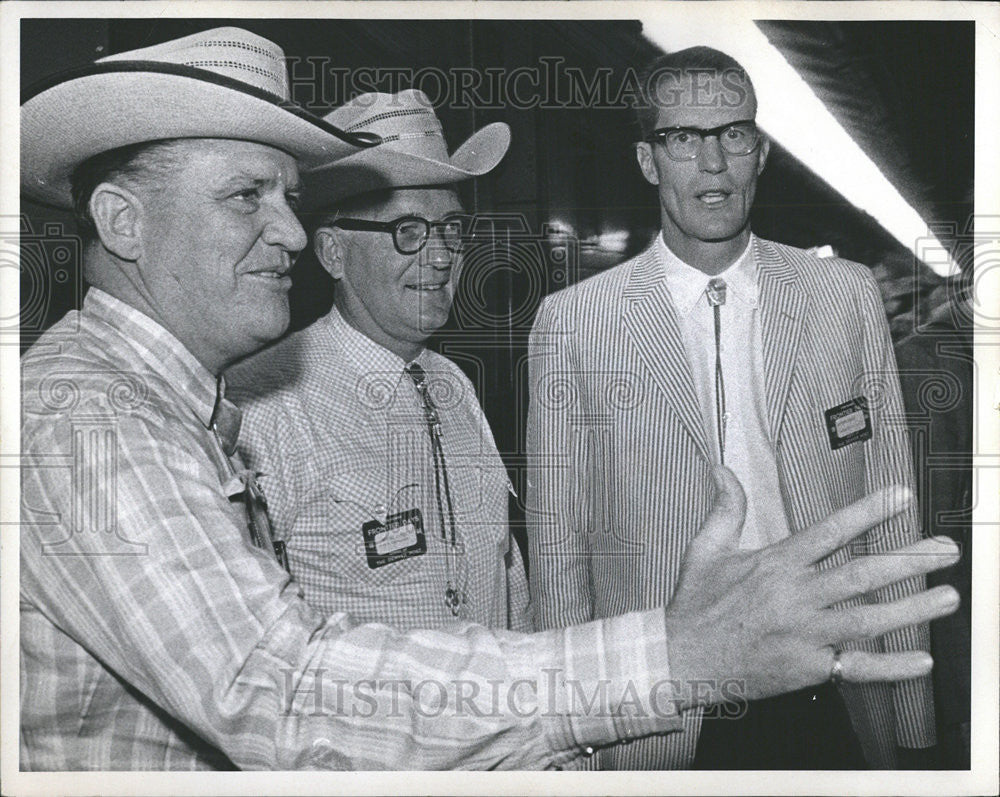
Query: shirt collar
x=159, y=350
x=687, y=284
x=366, y=353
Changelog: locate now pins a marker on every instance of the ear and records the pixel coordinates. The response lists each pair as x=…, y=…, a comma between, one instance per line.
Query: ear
x=765, y=148
x=117, y=215
x=329, y=247
x=644, y=154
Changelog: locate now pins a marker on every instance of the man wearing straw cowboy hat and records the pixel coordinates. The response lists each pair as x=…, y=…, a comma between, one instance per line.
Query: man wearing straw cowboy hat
x=159, y=629
x=378, y=465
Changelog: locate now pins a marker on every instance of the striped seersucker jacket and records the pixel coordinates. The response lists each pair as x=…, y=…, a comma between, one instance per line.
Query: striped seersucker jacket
x=619, y=469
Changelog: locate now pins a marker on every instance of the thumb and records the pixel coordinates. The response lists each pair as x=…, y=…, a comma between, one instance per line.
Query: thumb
x=721, y=529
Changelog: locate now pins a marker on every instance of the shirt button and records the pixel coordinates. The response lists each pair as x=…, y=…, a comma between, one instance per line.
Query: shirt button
x=588, y=751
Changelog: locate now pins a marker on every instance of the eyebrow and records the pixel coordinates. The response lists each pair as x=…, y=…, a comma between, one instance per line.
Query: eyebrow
x=255, y=181
x=421, y=212
x=711, y=130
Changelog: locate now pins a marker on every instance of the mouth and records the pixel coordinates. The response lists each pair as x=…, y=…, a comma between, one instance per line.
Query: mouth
x=713, y=197
x=428, y=287
x=276, y=277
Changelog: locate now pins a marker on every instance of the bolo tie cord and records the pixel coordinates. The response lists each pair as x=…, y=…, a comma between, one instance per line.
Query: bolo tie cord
x=720, y=388
x=441, y=475
x=453, y=596
x=716, y=292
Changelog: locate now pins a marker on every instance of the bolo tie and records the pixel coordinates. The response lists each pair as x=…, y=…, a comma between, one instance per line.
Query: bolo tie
x=453, y=596
x=716, y=293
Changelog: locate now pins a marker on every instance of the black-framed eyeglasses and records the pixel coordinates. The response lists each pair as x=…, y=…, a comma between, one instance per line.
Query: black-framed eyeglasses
x=410, y=234
x=684, y=143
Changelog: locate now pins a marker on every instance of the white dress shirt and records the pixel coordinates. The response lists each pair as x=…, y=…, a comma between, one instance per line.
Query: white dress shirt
x=748, y=448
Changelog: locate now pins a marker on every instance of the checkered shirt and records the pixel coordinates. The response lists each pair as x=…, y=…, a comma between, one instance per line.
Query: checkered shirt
x=337, y=433
x=154, y=635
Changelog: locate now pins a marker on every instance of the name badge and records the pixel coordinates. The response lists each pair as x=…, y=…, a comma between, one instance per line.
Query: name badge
x=848, y=423
x=400, y=537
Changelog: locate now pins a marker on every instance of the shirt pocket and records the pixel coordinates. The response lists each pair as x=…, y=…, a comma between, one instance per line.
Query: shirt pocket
x=328, y=546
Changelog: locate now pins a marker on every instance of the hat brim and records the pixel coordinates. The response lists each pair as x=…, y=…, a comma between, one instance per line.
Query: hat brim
x=118, y=105
x=388, y=166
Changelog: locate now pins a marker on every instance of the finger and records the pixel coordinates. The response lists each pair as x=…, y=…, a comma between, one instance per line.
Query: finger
x=721, y=529
x=865, y=622
x=860, y=667
x=836, y=530
x=867, y=573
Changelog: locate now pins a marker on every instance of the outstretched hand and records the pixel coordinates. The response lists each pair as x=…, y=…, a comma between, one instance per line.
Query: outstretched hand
x=764, y=619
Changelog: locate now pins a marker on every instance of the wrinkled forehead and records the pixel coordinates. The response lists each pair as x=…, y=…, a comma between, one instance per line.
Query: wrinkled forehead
x=223, y=159
x=705, y=96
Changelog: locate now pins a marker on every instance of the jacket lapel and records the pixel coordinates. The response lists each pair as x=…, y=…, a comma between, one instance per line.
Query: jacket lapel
x=783, y=308
x=651, y=322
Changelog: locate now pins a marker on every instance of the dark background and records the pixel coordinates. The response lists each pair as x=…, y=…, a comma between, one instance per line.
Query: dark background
x=904, y=90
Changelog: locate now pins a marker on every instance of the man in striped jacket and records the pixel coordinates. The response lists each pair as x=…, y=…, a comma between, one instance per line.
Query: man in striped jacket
x=714, y=346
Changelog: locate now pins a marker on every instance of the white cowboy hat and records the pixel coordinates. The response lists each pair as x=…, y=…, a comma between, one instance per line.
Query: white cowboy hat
x=413, y=150
x=221, y=83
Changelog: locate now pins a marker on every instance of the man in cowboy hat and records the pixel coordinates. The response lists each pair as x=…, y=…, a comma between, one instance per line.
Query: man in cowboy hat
x=378, y=465
x=158, y=628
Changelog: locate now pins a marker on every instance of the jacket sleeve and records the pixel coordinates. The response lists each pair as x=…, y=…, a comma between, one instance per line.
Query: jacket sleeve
x=557, y=514
x=888, y=461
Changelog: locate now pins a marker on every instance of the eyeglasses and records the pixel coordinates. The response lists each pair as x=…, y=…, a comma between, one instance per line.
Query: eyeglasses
x=684, y=143
x=410, y=234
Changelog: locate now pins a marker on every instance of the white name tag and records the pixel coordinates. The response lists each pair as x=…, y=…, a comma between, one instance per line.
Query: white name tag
x=394, y=539
x=400, y=537
x=850, y=424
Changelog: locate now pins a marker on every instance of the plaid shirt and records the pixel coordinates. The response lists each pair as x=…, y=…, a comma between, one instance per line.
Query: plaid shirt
x=337, y=433
x=154, y=635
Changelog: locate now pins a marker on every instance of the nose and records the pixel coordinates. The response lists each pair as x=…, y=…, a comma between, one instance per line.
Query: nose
x=711, y=158
x=284, y=229
x=436, y=254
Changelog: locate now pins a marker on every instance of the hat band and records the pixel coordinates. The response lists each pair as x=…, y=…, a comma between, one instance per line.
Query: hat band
x=411, y=136
x=358, y=139
x=368, y=121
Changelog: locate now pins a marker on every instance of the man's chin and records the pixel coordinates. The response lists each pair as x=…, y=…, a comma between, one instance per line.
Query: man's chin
x=270, y=329
x=723, y=232
x=427, y=325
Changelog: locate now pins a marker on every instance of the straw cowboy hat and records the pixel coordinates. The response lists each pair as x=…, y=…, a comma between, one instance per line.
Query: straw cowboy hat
x=413, y=150
x=221, y=83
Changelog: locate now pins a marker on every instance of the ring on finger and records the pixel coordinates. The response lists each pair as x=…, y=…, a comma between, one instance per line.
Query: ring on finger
x=837, y=668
